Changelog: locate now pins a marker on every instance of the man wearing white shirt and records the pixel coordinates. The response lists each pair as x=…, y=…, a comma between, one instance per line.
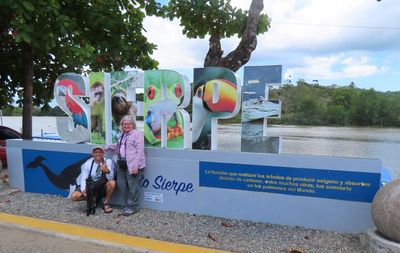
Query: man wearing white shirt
x=102, y=172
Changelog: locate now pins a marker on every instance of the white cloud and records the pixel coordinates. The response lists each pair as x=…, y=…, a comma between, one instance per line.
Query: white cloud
x=334, y=67
x=360, y=70
x=353, y=61
x=174, y=50
x=316, y=25
x=243, y=4
x=315, y=68
x=309, y=26
x=312, y=39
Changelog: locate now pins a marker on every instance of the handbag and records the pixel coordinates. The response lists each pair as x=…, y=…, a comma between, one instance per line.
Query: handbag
x=122, y=165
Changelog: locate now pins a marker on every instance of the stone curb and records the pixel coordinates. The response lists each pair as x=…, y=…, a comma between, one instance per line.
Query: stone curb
x=373, y=243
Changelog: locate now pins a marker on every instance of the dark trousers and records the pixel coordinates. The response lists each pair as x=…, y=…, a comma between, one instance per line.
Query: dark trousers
x=129, y=187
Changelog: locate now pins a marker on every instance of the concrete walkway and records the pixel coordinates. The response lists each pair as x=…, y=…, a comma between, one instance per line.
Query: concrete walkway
x=20, y=240
x=25, y=234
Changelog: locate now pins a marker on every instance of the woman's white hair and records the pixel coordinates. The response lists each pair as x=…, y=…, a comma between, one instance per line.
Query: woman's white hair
x=130, y=119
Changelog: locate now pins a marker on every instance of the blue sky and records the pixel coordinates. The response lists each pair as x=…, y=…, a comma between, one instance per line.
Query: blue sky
x=334, y=42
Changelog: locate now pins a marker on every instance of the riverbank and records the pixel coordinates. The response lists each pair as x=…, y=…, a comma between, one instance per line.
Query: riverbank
x=199, y=230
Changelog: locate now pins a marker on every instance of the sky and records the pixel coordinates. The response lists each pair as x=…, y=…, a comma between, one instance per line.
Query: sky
x=324, y=41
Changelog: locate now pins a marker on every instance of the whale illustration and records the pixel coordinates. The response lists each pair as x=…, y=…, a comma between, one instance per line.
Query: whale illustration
x=66, y=178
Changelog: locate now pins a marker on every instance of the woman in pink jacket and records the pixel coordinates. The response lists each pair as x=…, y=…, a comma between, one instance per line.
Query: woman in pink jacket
x=131, y=162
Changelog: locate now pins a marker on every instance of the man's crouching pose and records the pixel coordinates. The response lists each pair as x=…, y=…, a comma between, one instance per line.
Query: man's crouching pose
x=102, y=172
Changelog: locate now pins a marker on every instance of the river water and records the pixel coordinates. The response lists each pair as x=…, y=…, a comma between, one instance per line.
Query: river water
x=360, y=142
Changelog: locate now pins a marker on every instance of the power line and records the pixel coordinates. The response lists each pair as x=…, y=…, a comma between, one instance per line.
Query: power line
x=336, y=26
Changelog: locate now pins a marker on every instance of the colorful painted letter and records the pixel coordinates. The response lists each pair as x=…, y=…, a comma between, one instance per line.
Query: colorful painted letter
x=69, y=90
x=164, y=124
x=257, y=108
x=98, y=107
x=217, y=95
x=123, y=97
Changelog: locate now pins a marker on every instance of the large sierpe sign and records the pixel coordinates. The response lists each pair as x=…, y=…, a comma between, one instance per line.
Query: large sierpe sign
x=96, y=104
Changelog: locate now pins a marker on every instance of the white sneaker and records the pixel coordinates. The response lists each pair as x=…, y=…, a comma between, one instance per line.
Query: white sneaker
x=128, y=211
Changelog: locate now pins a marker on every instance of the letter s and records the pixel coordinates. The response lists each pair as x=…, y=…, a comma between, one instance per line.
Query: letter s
x=68, y=91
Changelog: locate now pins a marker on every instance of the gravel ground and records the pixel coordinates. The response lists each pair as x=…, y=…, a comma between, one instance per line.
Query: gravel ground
x=204, y=231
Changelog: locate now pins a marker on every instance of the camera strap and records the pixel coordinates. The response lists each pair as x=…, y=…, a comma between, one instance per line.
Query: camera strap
x=119, y=146
x=91, y=167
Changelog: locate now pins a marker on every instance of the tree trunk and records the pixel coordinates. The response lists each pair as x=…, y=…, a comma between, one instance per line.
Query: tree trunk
x=28, y=92
x=241, y=55
x=215, y=52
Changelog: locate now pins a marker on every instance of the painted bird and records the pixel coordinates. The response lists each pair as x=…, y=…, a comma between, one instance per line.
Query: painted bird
x=213, y=97
x=78, y=114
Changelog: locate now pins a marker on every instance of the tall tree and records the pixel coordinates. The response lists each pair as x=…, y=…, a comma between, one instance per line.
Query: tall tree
x=40, y=39
x=218, y=19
